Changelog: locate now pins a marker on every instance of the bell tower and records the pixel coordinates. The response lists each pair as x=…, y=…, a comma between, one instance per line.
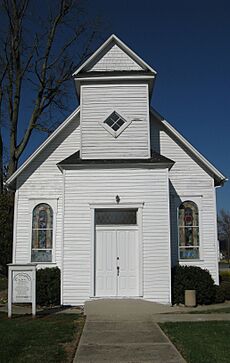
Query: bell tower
x=114, y=87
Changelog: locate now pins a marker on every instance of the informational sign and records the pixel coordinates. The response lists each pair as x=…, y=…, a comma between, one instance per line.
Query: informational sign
x=22, y=286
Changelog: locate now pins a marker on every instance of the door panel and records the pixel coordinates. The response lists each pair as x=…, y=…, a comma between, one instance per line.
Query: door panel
x=116, y=248
x=128, y=262
x=105, y=267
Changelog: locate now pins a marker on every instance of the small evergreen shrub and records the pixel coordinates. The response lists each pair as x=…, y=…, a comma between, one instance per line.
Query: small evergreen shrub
x=219, y=294
x=224, y=276
x=225, y=285
x=192, y=278
x=48, y=282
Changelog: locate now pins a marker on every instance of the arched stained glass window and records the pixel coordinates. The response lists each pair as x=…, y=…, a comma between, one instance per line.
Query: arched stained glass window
x=42, y=233
x=188, y=224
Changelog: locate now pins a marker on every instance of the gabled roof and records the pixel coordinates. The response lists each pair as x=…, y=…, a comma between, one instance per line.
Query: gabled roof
x=99, y=53
x=42, y=146
x=155, y=158
x=219, y=178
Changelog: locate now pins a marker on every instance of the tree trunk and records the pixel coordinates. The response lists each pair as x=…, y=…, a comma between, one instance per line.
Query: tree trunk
x=12, y=166
x=13, y=163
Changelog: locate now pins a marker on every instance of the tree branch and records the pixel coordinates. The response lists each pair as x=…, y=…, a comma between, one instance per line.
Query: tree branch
x=40, y=62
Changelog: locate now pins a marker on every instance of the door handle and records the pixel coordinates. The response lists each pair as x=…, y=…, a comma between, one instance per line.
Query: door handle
x=118, y=270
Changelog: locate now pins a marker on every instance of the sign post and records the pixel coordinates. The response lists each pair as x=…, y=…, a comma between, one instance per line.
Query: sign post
x=22, y=285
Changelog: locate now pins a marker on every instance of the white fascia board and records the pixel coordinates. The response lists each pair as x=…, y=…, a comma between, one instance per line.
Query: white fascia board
x=189, y=146
x=113, y=78
x=93, y=55
x=133, y=55
x=123, y=46
x=115, y=166
x=42, y=146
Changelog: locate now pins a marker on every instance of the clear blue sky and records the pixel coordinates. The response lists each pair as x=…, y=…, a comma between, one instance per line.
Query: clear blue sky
x=188, y=44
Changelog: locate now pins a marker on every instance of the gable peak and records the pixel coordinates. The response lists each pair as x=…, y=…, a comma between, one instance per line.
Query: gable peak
x=114, y=56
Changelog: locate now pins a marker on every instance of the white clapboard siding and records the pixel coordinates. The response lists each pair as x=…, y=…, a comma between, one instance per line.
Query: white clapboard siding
x=101, y=186
x=43, y=180
x=188, y=179
x=115, y=60
x=131, y=102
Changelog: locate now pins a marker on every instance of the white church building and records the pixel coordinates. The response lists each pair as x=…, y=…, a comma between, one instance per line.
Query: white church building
x=116, y=196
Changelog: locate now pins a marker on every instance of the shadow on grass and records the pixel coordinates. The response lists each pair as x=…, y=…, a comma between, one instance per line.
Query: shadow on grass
x=49, y=337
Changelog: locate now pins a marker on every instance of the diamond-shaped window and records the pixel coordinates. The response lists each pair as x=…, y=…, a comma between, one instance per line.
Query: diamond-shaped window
x=115, y=124
x=114, y=121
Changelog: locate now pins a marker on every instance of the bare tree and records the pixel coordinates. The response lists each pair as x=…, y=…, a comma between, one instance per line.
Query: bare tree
x=224, y=229
x=39, y=50
x=2, y=76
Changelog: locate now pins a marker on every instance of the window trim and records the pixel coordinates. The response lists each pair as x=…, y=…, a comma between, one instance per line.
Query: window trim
x=198, y=201
x=52, y=202
x=108, y=210
x=114, y=133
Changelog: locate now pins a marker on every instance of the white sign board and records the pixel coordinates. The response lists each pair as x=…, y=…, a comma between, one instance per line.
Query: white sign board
x=22, y=286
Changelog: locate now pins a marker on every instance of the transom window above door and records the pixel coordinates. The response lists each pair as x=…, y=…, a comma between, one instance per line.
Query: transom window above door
x=116, y=216
x=115, y=124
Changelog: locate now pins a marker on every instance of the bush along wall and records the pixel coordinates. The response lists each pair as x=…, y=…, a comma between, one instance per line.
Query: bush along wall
x=220, y=294
x=224, y=276
x=225, y=284
x=48, y=283
x=192, y=278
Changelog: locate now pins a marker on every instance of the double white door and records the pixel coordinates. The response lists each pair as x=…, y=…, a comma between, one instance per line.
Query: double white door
x=117, y=267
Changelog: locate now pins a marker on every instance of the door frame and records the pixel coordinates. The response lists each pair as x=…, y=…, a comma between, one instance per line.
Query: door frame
x=139, y=206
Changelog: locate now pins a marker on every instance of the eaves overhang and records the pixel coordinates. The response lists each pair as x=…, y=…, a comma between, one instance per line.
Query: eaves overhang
x=156, y=160
x=114, y=77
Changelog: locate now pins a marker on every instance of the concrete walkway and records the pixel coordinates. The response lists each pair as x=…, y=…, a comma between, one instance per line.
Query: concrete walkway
x=126, y=330
x=123, y=331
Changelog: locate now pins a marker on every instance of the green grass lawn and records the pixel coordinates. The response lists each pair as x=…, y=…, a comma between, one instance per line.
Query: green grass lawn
x=51, y=338
x=201, y=342
x=212, y=311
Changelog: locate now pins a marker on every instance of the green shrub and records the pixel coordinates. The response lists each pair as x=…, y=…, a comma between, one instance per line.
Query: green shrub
x=192, y=278
x=225, y=285
x=219, y=294
x=48, y=284
x=224, y=276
